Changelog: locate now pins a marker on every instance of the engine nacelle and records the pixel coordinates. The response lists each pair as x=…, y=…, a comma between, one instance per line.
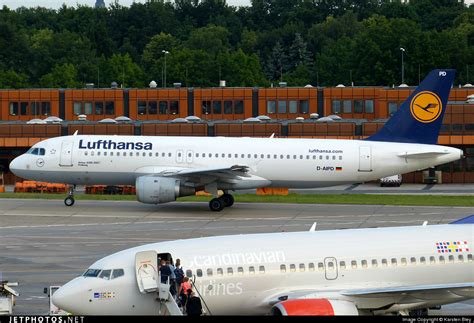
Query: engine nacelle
x=155, y=190
x=314, y=306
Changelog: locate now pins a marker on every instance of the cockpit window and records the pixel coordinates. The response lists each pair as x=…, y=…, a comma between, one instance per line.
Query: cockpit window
x=37, y=151
x=105, y=274
x=117, y=273
x=91, y=273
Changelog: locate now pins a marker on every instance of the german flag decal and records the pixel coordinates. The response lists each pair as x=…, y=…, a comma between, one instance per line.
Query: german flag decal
x=338, y=169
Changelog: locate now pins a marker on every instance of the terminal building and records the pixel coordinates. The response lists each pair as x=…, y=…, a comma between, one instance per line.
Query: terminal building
x=28, y=116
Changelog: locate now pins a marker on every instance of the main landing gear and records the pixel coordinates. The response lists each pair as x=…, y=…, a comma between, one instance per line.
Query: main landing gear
x=69, y=200
x=219, y=203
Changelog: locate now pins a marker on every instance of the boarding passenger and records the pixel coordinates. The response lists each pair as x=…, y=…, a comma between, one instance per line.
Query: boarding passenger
x=194, y=306
x=179, y=273
x=165, y=272
x=172, y=278
x=183, y=290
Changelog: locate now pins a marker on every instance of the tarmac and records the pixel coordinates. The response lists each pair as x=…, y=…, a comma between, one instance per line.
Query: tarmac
x=45, y=243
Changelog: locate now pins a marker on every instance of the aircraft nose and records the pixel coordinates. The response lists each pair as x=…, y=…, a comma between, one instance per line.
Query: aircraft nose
x=68, y=297
x=15, y=165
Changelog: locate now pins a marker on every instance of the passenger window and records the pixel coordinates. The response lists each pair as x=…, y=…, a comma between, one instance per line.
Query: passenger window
x=223, y=155
x=311, y=266
x=98, y=153
x=242, y=156
x=199, y=272
x=327, y=157
x=220, y=272
x=86, y=153
x=117, y=273
x=216, y=155
x=229, y=155
x=268, y=156
x=169, y=154
x=292, y=268
x=105, y=153
x=432, y=260
x=162, y=154
x=236, y=155
x=394, y=261
x=261, y=269
x=230, y=271
x=111, y=153
x=384, y=263
x=105, y=274
x=255, y=156
x=354, y=264
x=364, y=263
x=118, y=153
x=333, y=157
x=342, y=265
x=209, y=272
x=151, y=154
x=283, y=268
x=240, y=270
x=423, y=260
x=404, y=261
x=157, y=154
x=320, y=266
x=144, y=154
x=314, y=156
x=340, y=157
x=469, y=257
x=374, y=263
x=330, y=265
x=302, y=268
x=441, y=259
x=92, y=153
x=413, y=260
x=320, y=157
x=262, y=156
x=451, y=258
x=301, y=156
x=252, y=270
x=460, y=258
x=189, y=273
x=294, y=156
x=249, y=156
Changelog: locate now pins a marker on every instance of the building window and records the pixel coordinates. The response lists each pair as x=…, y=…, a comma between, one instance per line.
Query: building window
x=392, y=108
x=163, y=107
x=77, y=108
x=358, y=106
x=304, y=106
x=336, y=106
x=152, y=107
x=206, y=107
x=347, y=106
x=228, y=107
x=110, y=107
x=281, y=106
x=13, y=108
x=217, y=107
x=292, y=106
x=141, y=107
x=174, y=107
x=99, y=108
x=271, y=107
x=24, y=108
x=239, y=107
x=369, y=106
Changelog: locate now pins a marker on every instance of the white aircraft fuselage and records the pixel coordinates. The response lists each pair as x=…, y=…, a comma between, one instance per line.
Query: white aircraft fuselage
x=271, y=162
x=359, y=271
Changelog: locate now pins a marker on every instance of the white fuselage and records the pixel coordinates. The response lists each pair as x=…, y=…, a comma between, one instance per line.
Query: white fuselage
x=272, y=162
x=247, y=274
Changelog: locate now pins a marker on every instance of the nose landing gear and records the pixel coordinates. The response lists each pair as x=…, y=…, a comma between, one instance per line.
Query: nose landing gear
x=69, y=200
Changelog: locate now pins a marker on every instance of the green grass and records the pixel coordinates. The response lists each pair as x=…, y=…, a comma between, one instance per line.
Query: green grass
x=382, y=199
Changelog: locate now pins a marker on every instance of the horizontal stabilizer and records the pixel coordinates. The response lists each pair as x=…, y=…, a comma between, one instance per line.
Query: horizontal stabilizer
x=466, y=220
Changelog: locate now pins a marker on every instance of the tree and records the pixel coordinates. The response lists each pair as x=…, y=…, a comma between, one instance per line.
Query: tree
x=62, y=76
x=299, y=54
x=277, y=63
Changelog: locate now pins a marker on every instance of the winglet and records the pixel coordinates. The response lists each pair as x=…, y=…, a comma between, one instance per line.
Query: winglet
x=466, y=220
x=273, y=135
x=76, y=132
x=313, y=227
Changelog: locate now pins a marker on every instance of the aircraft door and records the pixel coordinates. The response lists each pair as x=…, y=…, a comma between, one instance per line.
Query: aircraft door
x=179, y=156
x=65, y=159
x=330, y=268
x=189, y=156
x=365, y=159
x=146, y=271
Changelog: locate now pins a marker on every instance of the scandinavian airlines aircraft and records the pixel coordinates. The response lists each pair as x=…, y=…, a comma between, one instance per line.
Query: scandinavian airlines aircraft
x=165, y=168
x=334, y=272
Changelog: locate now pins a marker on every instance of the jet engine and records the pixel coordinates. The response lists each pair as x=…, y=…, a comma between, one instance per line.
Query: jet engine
x=155, y=190
x=314, y=306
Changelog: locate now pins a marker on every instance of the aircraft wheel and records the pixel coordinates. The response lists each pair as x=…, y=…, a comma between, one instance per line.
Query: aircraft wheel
x=228, y=200
x=69, y=201
x=216, y=204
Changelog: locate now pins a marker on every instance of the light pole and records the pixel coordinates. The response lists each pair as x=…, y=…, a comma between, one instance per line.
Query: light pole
x=403, y=67
x=165, y=52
